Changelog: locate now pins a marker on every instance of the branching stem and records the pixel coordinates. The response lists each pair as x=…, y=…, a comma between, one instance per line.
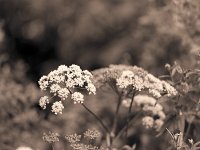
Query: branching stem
x=129, y=112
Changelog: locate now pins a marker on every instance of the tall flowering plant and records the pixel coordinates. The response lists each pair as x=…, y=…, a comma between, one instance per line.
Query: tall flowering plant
x=135, y=87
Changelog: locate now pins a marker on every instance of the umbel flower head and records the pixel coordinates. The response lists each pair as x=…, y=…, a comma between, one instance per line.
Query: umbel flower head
x=51, y=137
x=154, y=115
x=126, y=77
x=78, y=142
x=64, y=82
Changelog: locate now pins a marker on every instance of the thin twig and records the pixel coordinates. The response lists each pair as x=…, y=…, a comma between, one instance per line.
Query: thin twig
x=116, y=114
x=115, y=121
x=52, y=147
x=129, y=112
x=125, y=127
x=188, y=130
x=100, y=121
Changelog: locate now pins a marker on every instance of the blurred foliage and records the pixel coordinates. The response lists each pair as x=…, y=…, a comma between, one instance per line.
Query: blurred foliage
x=18, y=104
x=92, y=33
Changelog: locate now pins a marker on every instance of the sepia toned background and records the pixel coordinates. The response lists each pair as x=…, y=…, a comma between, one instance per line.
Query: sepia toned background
x=37, y=36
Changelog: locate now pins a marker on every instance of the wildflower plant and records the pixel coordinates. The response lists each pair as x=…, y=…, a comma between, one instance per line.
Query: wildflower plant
x=184, y=111
x=134, y=87
x=179, y=143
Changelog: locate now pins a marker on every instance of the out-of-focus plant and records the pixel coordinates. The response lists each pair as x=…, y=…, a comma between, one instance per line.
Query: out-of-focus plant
x=180, y=144
x=182, y=112
x=186, y=15
x=18, y=103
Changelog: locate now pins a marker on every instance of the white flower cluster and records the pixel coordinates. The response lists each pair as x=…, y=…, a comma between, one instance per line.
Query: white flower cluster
x=24, y=148
x=43, y=102
x=81, y=146
x=57, y=107
x=51, y=137
x=148, y=122
x=73, y=138
x=91, y=134
x=145, y=81
x=65, y=81
x=77, y=97
x=129, y=78
x=126, y=102
x=78, y=142
x=155, y=115
x=142, y=100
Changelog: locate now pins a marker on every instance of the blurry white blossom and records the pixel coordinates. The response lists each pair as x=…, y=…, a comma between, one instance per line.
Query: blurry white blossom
x=63, y=93
x=151, y=110
x=57, y=107
x=145, y=81
x=77, y=97
x=126, y=102
x=51, y=137
x=168, y=89
x=43, y=101
x=91, y=134
x=126, y=79
x=44, y=83
x=148, y=121
x=73, y=138
x=158, y=124
x=54, y=88
x=78, y=142
x=191, y=141
x=133, y=77
x=144, y=99
x=24, y=148
x=91, y=88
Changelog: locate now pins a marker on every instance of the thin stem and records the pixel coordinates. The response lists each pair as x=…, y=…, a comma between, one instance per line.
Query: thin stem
x=116, y=115
x=130, y=107
x=115, y=121
x=52, y=147
x=125, y=127
x=188, y=130
x=129, y=112
x=100, y=121
x=173, y=139
x=114, y=88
